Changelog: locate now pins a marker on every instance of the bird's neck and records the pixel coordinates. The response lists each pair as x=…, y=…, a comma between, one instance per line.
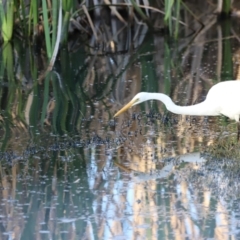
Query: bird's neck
x=199, y=109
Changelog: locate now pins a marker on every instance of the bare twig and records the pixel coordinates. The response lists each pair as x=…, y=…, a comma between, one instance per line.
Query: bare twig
x=114, y=11
x=90, y=21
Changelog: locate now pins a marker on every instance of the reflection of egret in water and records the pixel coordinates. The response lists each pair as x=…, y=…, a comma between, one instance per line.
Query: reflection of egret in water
x=169, y=167
x=222, y=99
x=178, y=201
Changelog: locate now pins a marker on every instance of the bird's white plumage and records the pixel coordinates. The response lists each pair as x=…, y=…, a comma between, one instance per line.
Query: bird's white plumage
x=223, y=98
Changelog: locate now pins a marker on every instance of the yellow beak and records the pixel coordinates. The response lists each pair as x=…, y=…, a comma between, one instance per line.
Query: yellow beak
x=126, y=107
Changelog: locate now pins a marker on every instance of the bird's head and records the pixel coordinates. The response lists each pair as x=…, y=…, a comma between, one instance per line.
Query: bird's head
x=140, y=97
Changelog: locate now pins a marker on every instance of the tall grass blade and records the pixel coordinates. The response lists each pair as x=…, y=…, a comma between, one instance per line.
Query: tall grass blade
x=139, y=11
x=226, y=7
x=7, y=55
x=24, y=17
x=54, y=20
x=177, y=22
x=46, y=29
x=67, y=6
x=65, y=27
x=33, y=15
x=7, y=20
x=57, y=43
x=168, y=9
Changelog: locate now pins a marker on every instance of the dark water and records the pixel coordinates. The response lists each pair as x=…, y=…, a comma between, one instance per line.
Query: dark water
x=70, y=171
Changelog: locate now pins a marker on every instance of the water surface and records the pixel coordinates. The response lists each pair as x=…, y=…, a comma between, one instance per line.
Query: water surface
x=71, y=171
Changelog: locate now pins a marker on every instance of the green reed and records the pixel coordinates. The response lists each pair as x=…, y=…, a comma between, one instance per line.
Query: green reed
x=6, y=20
x=47, y=28
x=68, y=6
x=51, y=18
x=12, y=91
x=172, y=16
x=226, y=8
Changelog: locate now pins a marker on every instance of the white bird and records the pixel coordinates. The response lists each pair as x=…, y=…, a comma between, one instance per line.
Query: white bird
x=222, y=99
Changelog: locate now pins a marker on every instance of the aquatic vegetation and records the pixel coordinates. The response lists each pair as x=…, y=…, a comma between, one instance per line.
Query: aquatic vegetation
x=36, y=19
x=225, y=147
x=7, y=19
x=68, y=169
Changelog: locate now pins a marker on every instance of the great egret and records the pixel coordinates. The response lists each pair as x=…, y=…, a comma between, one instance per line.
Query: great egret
x=222, y=99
